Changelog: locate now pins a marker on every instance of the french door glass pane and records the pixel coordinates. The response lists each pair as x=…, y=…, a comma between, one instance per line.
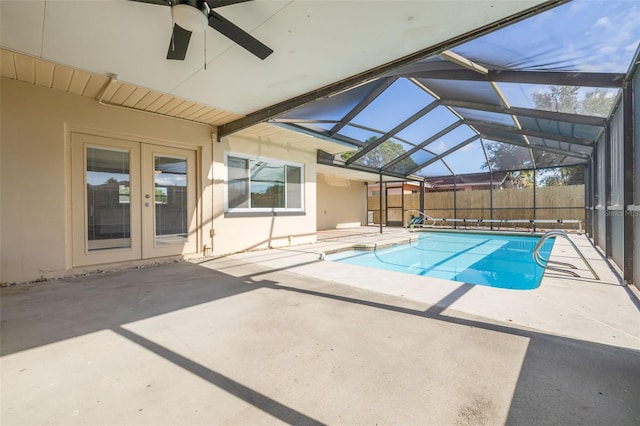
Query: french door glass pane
x=108, y=204
x=170, y=197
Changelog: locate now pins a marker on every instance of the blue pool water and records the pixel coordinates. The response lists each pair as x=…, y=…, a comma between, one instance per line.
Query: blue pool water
x=503, y=261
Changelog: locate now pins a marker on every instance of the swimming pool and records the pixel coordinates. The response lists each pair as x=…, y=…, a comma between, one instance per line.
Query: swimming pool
x=503, y=261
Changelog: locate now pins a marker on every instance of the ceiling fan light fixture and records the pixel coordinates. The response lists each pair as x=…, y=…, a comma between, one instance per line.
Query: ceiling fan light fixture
x=190, y=18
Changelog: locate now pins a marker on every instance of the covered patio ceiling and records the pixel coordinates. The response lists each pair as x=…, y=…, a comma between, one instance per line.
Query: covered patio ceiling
x=535, y=94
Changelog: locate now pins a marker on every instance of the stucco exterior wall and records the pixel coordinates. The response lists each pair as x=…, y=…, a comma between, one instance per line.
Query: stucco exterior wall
x=35, y=179
x=36, y=124
x=341, y=203
x=232, y=233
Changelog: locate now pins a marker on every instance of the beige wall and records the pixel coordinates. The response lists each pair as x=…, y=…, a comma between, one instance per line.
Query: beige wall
x=35, y=179
x=35, y=173
x=233, y=234
x=341, y=203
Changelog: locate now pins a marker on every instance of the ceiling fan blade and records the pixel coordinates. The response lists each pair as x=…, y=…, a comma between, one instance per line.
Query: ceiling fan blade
x=238, y=35
x=158, y=2
x=222, y=3
x=179, y=43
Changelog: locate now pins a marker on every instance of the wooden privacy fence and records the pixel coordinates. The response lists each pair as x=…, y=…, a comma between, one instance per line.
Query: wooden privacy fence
x=551, y=203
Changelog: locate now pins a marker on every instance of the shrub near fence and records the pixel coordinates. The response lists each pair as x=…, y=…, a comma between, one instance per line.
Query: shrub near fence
x=552, y=202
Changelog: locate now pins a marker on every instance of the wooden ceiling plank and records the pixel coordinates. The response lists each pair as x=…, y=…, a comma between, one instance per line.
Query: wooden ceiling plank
x=159, y=103
x=174, y=102
x=110, y=90
x=122, y=93
x=44, y=71
x=193, y=109
x=135, y=97
x=7, y=64
x=94, y=86
x=62, y=78
x=175, y=111
x=147, y=100
x=25, y=68
x=202, y=114
x=79, y=82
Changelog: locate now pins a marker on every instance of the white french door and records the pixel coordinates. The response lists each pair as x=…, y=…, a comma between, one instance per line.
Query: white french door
x=131, y=200
x=168, y=201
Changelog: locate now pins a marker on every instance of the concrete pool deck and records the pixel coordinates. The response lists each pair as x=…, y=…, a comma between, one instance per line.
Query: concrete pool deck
x=280, y=336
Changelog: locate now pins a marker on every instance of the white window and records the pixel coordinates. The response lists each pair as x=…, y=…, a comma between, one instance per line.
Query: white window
x=261, y=185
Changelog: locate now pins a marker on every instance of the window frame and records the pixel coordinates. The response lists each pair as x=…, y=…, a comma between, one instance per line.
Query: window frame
x=263, y=211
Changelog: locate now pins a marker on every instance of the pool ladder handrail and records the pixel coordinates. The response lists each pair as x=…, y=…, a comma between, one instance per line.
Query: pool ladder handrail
x=544, y=263
x=424, y=215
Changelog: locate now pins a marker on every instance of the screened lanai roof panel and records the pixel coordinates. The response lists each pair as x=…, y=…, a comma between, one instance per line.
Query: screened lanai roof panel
x=437, y=168
x=468, y=159
x=460, y=90
x=399, y=102
x=562, y=128
x=359, y=134
x=316, y=127
x=430, y=124
x=582, y=35
x=499, y=134
x=405, y=165
x=332, y=108
x=569, y=148
x=504, y=156
x=451, y=139
x=550, y=159
x=489, y=117
x=567, y=99
x=383, y=154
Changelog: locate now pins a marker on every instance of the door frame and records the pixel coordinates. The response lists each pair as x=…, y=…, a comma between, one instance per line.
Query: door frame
x=78, y=140
x=81, y=254
x=147, y=161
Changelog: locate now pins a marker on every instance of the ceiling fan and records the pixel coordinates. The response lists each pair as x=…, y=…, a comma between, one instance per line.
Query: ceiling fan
x=194, y=16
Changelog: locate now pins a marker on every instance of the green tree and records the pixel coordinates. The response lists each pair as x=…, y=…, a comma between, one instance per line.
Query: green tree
x=561, y=99
x=598, y=102
x=563, y=176
x=557, y=98
x=503, y=156
x=383, y=154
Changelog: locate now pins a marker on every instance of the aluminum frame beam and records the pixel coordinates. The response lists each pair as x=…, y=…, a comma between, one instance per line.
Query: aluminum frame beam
x=583, y=79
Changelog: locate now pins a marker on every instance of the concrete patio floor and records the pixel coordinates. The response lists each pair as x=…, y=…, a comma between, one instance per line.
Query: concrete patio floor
x=282, y=337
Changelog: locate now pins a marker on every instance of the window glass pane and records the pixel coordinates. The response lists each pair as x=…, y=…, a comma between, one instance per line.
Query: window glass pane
x=108, y=211
x=267, y=185
x=170, y=199
x=294, y=187
x=259, y=184
x=238, y=182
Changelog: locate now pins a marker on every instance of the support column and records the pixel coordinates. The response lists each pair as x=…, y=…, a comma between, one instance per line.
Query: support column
x=385, y=194
x=491, y=198
x=607, y=190
x=455, y=204
x=628, y=180
x=535, y=206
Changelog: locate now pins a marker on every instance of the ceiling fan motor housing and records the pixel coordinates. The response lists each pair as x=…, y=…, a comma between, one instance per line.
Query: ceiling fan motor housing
x=192, y=15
